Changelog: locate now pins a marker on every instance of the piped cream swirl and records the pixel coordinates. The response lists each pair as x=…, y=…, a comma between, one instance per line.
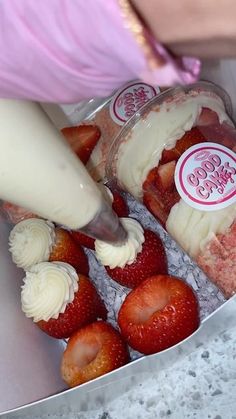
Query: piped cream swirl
x=118, y=256
x=31, y=242
x=48, y=288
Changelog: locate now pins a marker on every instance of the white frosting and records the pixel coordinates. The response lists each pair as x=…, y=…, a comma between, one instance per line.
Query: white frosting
x=159, y=130
x=48, y=288
x=193, y=228
x=118, y=256
x=31, y=242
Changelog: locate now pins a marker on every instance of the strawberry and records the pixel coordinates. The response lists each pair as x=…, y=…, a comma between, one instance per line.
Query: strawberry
x=82, y=139
x=155, y=207
x=67, y=250
x=83, y=240
x=159, y=313
x=165, y=175
x=118, y=205
x=190, y=138
x=91, y=352
x=151, y=260
x=220, y=133
x=159, y=191
x=86, y=307
x=14, y=213
x=207, y=117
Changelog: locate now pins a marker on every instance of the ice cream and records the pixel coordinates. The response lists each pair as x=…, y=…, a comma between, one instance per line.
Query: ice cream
x=150, y=158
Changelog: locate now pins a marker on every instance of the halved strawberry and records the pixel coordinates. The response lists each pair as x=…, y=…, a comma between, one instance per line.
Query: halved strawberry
x=159, y=191
x=85, y=308
x=207, y=117
x=14, y=213
x=91, y=352
x=82, y=139
x=190, y=138
x=67, y=250
x=165, y=175
x=151, y=260
x=159, y=313
x=156, y=208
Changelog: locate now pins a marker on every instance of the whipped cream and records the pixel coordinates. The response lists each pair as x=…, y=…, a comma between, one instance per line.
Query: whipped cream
x=48, y=288
x=31, y=242
x=193, y=228
x=118, y=256
x=158, y=130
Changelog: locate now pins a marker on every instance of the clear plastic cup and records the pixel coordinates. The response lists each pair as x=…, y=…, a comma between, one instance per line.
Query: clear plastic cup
x=177, y=156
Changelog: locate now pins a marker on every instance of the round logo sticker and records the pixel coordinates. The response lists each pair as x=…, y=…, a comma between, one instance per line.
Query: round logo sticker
x=130, y=99
x=205, y=176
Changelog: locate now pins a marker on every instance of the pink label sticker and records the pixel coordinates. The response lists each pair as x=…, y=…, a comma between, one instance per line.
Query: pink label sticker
x=129, y=99
x=205, y=176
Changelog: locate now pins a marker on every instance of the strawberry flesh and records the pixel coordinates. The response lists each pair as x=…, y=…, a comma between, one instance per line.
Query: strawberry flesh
x=86, y=307
x=91, y=352
x=82, y=139
x=151, y=260
x=67, y=250
x=159, y=313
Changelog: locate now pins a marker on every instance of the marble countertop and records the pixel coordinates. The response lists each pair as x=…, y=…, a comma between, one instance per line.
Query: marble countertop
x=200, y=386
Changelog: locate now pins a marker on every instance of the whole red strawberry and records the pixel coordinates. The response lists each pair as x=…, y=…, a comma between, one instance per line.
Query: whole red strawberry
x=91, y=352
x=85, y=308
x=67, y=250
x=158, y=314
x=151, y=260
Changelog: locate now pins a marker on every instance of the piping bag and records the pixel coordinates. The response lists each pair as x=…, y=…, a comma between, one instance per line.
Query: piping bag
x=39, y=172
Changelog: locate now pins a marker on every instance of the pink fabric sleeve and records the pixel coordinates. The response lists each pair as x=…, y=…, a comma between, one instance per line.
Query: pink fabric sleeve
x=69, y=50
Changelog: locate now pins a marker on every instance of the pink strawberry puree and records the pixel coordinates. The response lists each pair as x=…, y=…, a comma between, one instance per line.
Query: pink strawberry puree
x=69, y=50
x=218, y=260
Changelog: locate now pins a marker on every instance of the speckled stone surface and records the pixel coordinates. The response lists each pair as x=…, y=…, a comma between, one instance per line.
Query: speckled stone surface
x=200, y=386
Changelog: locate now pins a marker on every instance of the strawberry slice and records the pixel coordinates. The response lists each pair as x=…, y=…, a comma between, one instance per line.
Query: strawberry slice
x=91, y=352
x=159, y=191
x=190, y=138
x=165, y=176
x=207, y=117
x=82, y=139
x=159, y=313
x=151, y=260
x=67, y=250
x=86, y=307
x=14, y=213
x=221, y=133
x=156, y=208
